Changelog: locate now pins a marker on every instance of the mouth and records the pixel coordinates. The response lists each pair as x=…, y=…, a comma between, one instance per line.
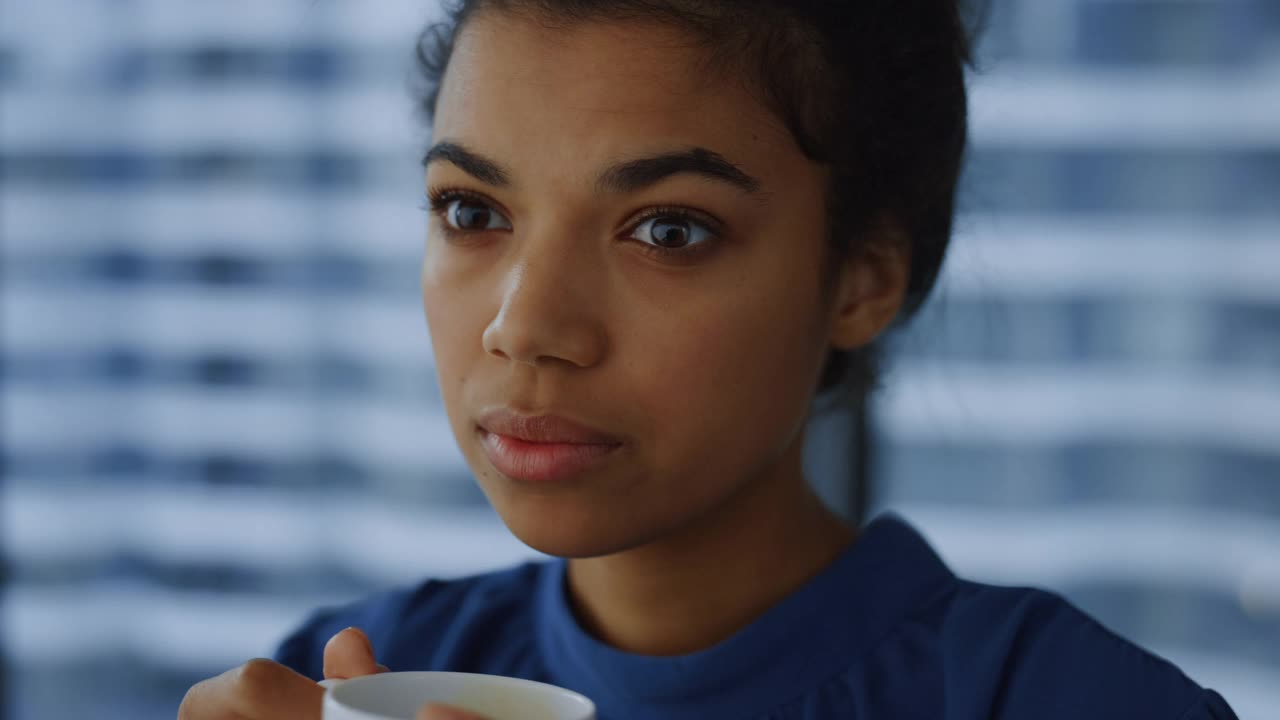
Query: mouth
x=542, y=462
x=543, y=428
x=542, y=448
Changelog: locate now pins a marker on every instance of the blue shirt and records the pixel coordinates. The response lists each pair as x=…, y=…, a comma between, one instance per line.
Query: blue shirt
x=885, y=632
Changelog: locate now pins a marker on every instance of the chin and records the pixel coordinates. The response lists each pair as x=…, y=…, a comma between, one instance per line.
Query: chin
x=567, y=532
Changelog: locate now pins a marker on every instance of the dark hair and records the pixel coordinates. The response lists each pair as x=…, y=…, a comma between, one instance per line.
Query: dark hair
x=872, y=89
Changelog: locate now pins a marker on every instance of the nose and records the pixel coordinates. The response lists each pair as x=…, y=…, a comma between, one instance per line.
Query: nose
x=548, y=315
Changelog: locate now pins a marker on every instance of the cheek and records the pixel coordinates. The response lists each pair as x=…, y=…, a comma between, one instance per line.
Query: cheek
x=734, y=372
x=452, y=326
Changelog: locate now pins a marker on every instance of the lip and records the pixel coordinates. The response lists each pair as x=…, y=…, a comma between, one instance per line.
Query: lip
x=542, y=448
x=543, y=428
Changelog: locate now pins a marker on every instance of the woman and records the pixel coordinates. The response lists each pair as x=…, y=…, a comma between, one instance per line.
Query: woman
x=658, y=228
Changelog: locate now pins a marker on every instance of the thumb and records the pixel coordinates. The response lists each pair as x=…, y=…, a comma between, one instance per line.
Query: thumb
x=349, y=654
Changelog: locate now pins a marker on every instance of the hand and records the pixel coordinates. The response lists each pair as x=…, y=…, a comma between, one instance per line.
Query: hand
x=264, y=690
x=350, y=654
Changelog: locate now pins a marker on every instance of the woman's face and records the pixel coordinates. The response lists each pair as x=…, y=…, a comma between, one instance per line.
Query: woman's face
x=633, y=244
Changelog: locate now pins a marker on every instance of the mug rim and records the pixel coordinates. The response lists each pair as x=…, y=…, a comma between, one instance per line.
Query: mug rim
x=334, y=694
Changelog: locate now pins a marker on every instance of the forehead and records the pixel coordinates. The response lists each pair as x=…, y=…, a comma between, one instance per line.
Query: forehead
x=594, y=91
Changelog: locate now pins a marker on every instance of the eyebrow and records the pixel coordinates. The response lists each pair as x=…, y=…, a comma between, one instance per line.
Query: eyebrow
x=626, y=177
x=472, y=163
x=638, y=174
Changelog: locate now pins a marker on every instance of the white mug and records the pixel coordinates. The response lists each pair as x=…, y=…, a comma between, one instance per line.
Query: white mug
x=398, y=695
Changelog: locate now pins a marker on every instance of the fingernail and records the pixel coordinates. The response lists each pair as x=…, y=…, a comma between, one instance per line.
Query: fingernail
x=363, y=637
x=367, y=643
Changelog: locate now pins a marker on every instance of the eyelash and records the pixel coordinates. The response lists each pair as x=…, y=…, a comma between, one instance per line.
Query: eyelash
x=437, y=201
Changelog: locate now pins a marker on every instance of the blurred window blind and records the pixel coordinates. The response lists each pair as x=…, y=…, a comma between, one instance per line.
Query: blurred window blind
x=1091, y=403
x=219, y=408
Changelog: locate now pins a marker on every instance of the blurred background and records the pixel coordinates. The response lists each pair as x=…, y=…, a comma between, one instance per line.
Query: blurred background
x=217, y=396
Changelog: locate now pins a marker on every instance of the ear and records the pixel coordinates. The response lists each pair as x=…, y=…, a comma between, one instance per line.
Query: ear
x=871, y=287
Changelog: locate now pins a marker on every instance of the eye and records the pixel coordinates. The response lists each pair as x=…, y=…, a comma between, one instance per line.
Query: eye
x=672, y=231
x=463, y=212
x=468, y=214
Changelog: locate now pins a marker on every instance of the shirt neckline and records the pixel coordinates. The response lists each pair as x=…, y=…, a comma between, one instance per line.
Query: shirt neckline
x=816, y=632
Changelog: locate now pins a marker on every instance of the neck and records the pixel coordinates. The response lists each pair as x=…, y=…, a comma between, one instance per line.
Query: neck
x=702, y=584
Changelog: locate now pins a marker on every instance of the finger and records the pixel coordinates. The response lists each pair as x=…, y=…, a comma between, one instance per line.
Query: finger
x=436, y=711
x=257, y=690
x=349, y=654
